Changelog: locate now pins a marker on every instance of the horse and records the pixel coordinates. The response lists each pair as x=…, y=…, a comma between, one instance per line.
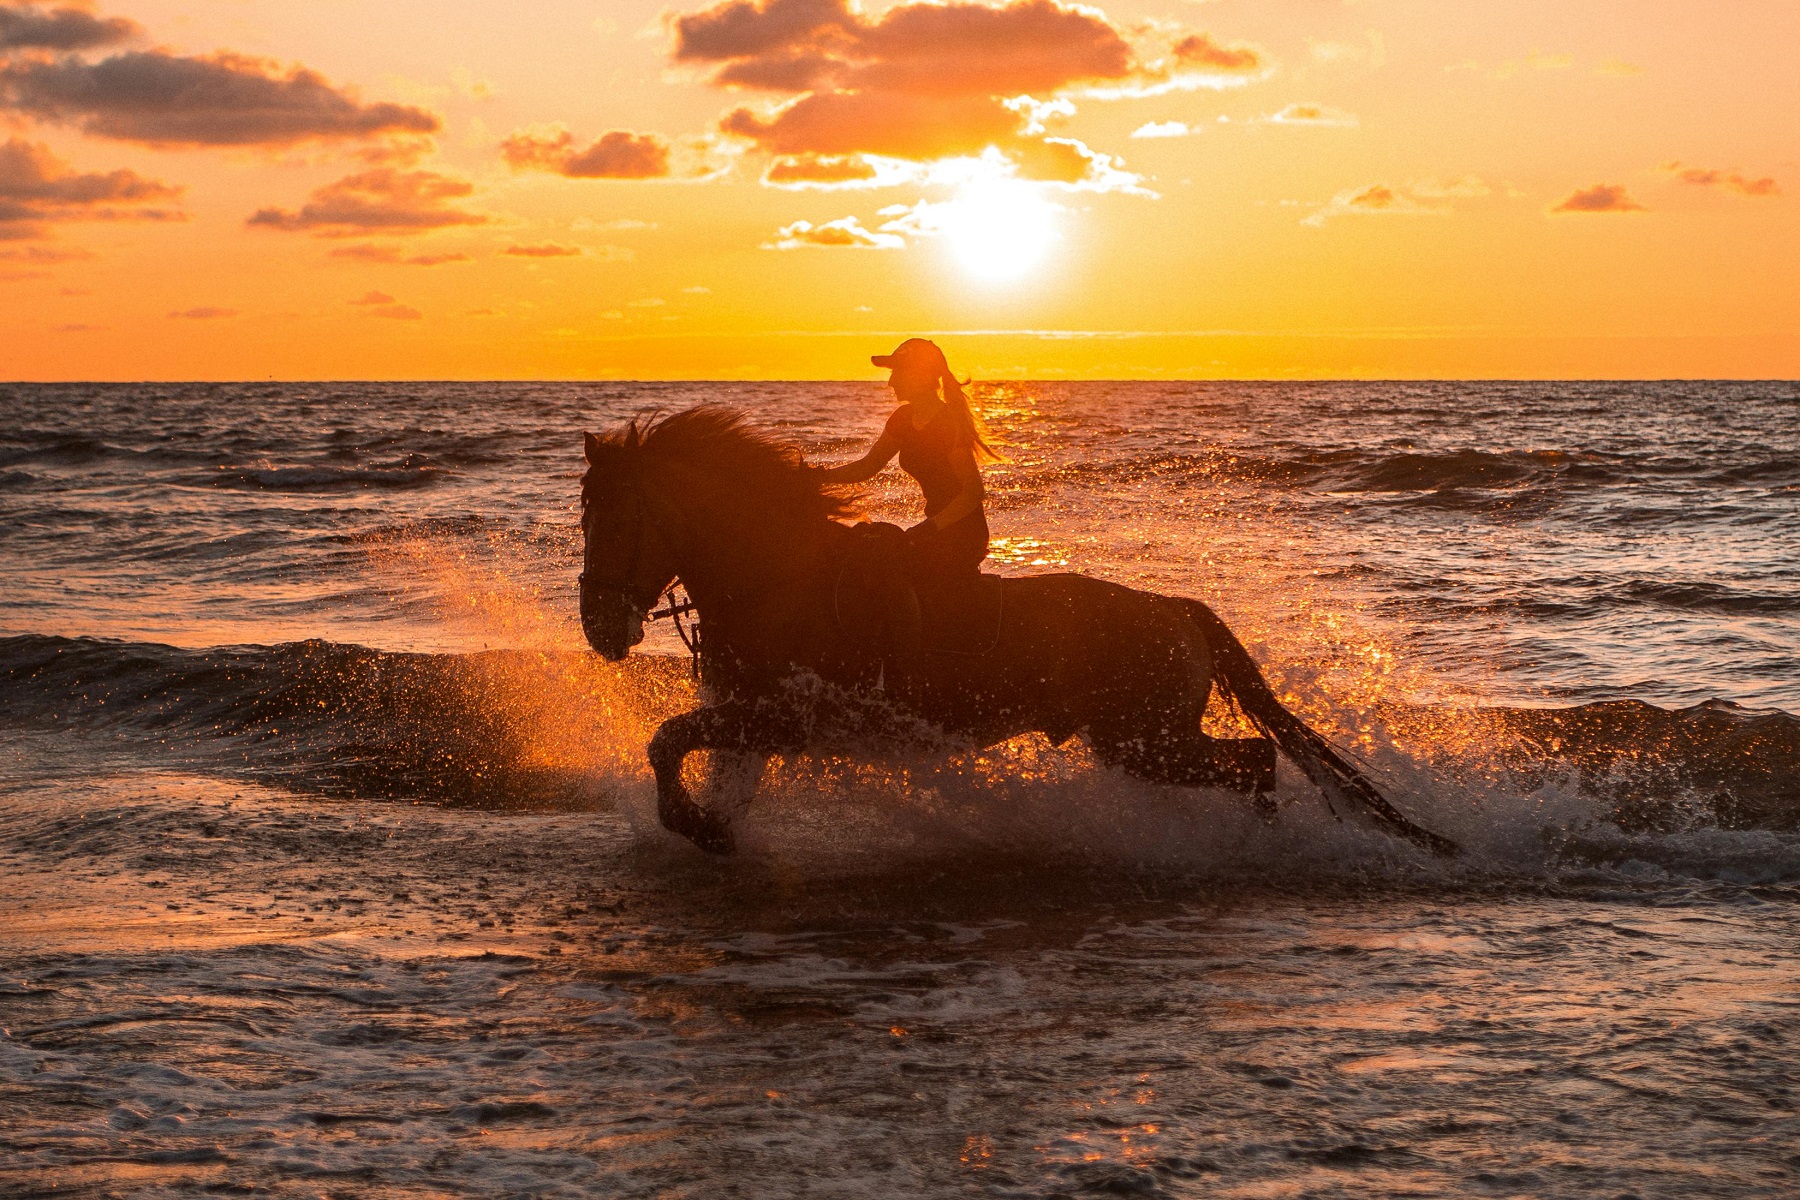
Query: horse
x=763, y=550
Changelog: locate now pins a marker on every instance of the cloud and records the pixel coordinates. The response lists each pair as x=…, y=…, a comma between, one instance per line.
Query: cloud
x=1035, y=46
x=37, y=190
x=1601, y=198
x=384, y=200
x=822, y=170
x=845, y=232
x=1317, y=115
x=28, y=27
x=1163, y=129
x=1378, y=199
x=1734, y=181
x=893, y=125
x=380, y=304
x=45, y=255
x=392, y=254
x=925, y=81
x=1202, y=50
x=224, y=99
x=619, y=154
x=205, y=312
x=544, y=250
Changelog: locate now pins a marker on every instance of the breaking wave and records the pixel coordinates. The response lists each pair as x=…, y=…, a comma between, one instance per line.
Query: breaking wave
x=540, y=729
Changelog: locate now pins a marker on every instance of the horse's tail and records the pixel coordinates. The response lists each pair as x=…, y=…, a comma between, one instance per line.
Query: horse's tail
x=1236, y=674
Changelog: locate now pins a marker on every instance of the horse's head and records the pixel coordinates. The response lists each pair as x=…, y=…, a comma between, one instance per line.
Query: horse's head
x=627, y=557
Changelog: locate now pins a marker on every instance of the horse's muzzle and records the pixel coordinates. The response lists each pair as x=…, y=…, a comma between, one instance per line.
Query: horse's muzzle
x=611, y=623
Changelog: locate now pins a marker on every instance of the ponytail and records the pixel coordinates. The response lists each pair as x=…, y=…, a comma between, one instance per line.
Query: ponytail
x=971, y=426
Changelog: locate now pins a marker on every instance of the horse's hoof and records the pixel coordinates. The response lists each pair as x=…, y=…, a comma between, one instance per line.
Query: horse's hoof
x=705, y=829
x=713, y=835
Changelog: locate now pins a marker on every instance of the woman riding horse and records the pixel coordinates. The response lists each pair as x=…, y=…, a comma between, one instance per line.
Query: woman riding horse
x=938, y=439
x=755, y=536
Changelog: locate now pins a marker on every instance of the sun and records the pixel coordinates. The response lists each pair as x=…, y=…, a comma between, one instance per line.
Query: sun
x=998, y=229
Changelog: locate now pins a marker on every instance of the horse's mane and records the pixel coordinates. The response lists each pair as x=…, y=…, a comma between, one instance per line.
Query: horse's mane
x=769, y=473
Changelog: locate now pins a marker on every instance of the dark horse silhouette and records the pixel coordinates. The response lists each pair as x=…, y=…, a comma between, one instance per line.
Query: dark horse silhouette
x=752, y=534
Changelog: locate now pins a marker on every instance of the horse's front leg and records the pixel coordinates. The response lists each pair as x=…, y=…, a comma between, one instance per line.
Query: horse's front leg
x=732, y=726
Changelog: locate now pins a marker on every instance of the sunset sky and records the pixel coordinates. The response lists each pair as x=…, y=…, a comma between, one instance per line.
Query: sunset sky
x=247, y=189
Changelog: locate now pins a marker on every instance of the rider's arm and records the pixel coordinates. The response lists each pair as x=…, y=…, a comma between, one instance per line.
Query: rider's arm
x=879, y=455
x=968, y=501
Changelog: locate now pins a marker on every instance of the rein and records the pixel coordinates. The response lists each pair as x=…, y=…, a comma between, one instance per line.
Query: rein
x=688, y=631
x=677, y=607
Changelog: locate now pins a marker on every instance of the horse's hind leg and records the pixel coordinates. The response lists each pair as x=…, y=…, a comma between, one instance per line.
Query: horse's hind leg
x=732, y=777
x=1188, y=758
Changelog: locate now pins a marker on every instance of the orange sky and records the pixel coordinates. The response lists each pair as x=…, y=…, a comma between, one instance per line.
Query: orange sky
x=777, y=188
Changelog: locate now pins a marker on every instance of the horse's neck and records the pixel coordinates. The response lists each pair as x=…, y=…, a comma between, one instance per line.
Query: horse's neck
x=735, y=557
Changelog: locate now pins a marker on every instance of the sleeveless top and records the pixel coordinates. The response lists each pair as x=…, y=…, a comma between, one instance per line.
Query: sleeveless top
x=928, y=455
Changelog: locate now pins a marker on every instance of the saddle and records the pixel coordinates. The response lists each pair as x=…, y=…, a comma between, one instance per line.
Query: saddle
x=900, y=613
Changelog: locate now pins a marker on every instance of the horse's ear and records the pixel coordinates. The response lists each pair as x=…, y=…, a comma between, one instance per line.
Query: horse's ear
x=590, y=446
x=631, y=436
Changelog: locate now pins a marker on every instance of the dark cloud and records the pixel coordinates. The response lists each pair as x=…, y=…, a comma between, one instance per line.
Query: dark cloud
x=1030, y=46
x=205, y=312
x=225, y=99
x=37, y=190
x=1201, y=50
x=45, y=255
x=1379, y=196
x=380, y=304
x=384, y=200
x=544, y=250
x=814, y=169
x=1730, y=180
x=29, y=27
x=942, y=49
x=619, y=154
x=393, y=255
x=925, y=80
x=741, y=29
x=894, y=124
x=1601, y=198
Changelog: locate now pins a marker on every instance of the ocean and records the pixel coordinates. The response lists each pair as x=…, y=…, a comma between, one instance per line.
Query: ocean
x=329, y=863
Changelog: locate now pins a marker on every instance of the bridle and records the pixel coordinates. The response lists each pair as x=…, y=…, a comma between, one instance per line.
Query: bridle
x=678, y=607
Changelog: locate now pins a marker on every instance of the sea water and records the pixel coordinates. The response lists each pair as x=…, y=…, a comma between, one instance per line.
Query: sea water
x=329, y=865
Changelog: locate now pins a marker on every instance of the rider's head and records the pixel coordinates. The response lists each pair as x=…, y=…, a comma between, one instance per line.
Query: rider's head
x=917, y=368
x=916, y=365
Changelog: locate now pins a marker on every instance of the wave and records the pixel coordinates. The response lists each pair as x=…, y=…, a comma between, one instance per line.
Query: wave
x=75, y=450
x=531, y=729
x=1407, y=471
x=414, y=471
x=1708, y=597
x=1712, y=764
x=493, y=729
